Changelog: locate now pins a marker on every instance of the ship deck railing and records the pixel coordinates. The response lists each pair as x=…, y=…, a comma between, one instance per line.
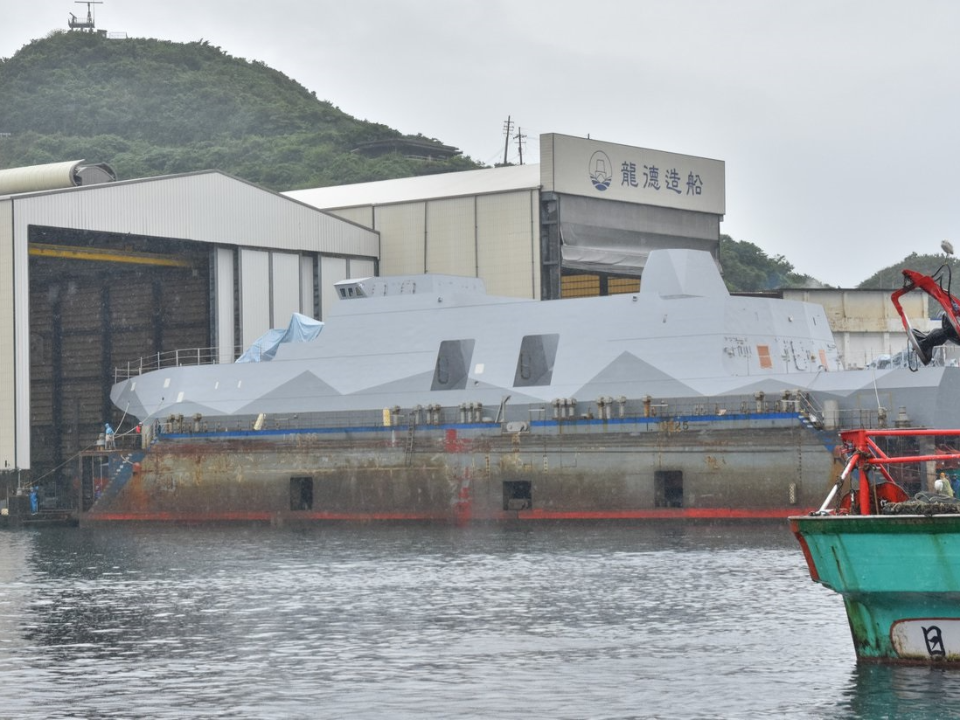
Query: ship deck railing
x=171, y=358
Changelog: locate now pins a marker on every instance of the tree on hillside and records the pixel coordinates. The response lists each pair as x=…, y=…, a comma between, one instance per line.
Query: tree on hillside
x=891, y=277
x=747, y=268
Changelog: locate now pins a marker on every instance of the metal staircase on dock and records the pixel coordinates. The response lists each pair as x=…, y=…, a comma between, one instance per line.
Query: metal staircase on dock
x=121, y=464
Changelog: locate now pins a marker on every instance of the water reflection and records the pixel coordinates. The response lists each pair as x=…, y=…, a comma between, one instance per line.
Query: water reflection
x=907, y=693
x=17, y=582
x=411, y=621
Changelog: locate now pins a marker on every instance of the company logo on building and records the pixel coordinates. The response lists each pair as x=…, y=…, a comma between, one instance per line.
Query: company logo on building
x=601, y=171
x=648, y=179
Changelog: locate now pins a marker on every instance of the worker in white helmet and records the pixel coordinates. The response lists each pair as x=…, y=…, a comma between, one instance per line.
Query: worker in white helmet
x=942, y=486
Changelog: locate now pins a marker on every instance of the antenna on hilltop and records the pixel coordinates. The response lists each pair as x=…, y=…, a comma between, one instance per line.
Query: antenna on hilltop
x=89, y=24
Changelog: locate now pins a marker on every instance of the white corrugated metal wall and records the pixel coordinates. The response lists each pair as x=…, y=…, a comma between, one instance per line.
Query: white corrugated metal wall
x=360, y=215
x=362, y=268
x=307, y=287
x=254, y=294
x=225, y=332
x=508, y=242
x=10, y=414
x=332, y=270
x=285, y=287
x=495, y=237
x=21, y=342
x=403, y=228
x=451, y=236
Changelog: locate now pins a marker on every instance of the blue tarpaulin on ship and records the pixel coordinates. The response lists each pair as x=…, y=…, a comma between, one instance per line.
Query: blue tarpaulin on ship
x=300, y=329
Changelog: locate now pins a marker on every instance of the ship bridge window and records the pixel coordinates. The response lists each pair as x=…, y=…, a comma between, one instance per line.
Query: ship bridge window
x=535, y=362
x=350, y=290
x=453, y=361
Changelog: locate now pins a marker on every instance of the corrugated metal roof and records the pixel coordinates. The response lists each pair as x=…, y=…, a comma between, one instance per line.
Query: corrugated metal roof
x=208, y=206
x=445, y=185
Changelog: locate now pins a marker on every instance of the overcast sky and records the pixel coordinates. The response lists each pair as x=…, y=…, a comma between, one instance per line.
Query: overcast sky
x=837, y=121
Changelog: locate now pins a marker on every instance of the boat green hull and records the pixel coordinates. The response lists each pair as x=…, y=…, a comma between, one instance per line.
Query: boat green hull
x=900, y=581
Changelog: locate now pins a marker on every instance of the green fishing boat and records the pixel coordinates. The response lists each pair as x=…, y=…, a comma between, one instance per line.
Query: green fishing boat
x=893, y=558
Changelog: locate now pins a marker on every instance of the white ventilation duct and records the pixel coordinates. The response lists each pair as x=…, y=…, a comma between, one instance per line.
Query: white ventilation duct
x=54, y=176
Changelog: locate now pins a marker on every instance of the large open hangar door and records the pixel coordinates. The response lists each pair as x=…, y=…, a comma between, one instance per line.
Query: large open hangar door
x=98, y=301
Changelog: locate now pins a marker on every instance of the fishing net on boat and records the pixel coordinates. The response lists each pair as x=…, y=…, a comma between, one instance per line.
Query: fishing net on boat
x=924, y=503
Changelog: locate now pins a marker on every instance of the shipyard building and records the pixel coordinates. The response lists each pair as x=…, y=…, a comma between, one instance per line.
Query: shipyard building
x=97, y=274
x=582, y=222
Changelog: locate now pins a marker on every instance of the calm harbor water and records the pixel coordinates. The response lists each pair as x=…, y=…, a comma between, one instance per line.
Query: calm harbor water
x=562, y=621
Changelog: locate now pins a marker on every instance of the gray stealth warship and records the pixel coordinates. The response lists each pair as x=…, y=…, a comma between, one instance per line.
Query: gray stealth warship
x=424, y=398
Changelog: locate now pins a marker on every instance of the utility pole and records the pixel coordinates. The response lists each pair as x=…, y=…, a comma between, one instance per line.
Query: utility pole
x=507, y=128
x=520, y=137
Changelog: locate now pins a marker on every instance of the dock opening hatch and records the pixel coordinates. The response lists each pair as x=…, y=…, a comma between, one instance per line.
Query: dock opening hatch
x=301, y=493
x=517, y=495
x=668, y=488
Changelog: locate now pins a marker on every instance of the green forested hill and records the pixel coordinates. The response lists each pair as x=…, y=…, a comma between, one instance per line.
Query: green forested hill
x=151, y=107
x=891, y=277
x=747, y=268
